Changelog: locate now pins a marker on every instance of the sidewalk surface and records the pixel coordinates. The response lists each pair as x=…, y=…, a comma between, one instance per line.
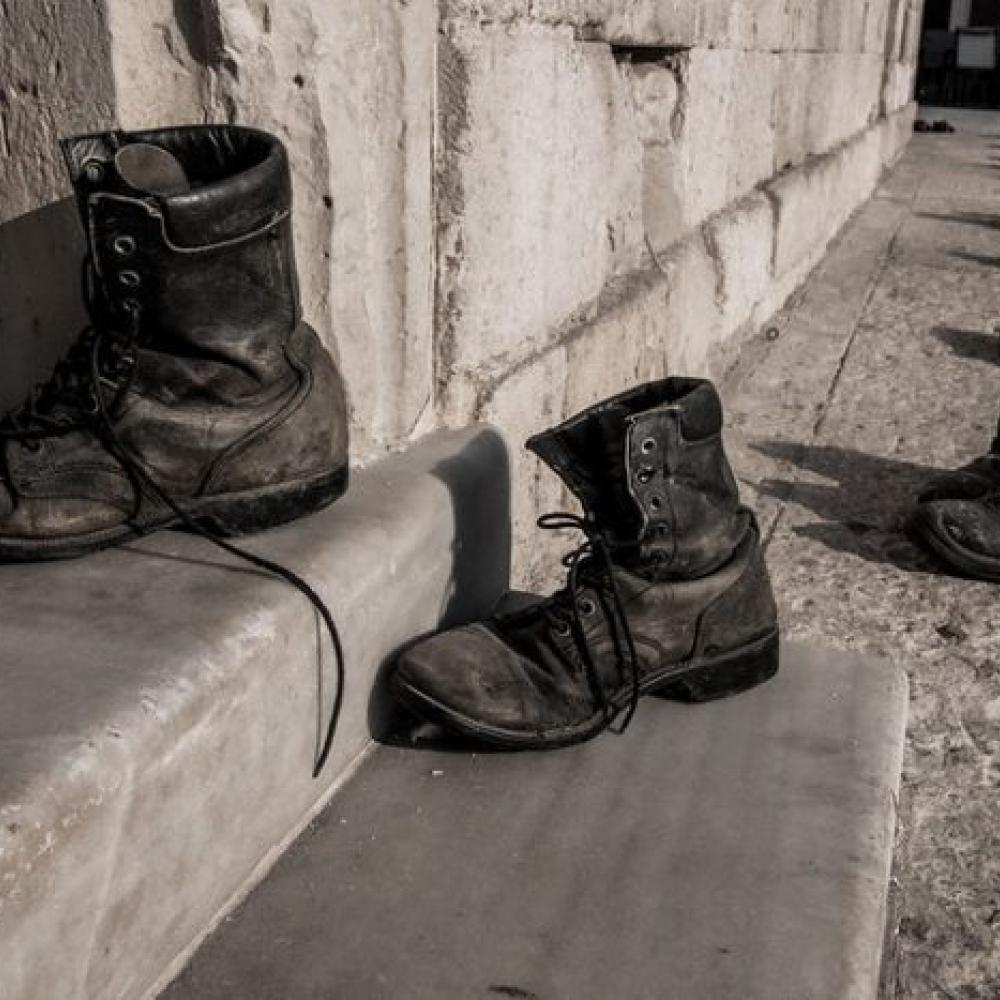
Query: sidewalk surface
x=884, y=370
x=732, y=851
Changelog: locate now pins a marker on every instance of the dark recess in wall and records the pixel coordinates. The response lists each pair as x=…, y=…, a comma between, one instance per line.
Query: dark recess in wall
x=637, y=55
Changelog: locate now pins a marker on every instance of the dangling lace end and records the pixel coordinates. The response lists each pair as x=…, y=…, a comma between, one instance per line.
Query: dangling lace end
x=140, y=475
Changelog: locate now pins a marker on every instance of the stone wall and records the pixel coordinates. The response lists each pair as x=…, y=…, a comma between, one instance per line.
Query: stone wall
x=505, y=209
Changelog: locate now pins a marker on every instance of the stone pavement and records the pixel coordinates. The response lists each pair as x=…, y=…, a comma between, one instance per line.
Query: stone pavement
x=885, y=369
x=732, y=851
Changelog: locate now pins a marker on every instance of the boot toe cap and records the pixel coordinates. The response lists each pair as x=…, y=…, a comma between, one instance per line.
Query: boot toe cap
x=471, y=677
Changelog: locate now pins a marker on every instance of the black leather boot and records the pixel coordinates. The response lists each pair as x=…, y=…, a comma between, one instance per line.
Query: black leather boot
x=197, y=396
x=957, y=517
x=668, y=595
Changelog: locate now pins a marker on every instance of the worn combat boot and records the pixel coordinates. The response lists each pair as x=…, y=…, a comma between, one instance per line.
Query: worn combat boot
x=957, y=517
x=669, y=594
x=197, y=396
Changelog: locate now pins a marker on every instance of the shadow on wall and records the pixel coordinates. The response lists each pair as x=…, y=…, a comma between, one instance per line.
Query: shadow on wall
x=41, y=298
x=481, y=554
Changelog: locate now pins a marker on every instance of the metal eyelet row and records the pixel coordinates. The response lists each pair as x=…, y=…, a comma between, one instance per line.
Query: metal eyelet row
x=124, y=246
x=587, y=608
x=645, y=473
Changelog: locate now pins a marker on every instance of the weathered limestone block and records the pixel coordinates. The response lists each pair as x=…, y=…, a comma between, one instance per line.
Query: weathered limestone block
x=896, y=131
x=741, y=239
x=811, y=25
x=349, y=88
x=822, y=100
x=538, y=187
x=55, y=79
x=162, y=51
x=534, y=488
x=720, y=143
x=837, y=183
x=158, y=740
x=801, y=226
x=693, y=319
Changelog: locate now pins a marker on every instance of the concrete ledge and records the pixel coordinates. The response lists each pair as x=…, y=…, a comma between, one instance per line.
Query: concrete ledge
x=734, y=851
x=162, y=706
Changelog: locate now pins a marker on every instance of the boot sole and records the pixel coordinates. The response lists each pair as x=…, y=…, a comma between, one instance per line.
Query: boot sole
x=227, y=515
x=949, y=552
x=697, y=680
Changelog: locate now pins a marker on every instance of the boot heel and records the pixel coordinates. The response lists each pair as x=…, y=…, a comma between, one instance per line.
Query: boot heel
x=245, y=513
x=729, y=674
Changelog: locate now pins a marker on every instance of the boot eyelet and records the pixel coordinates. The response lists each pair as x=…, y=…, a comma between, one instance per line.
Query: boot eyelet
x=648, y=446
x=644, y=475
x=655, y=503
x=33, y=446
x=587, y=607
x=561, y=629
x=93, y=170
x=130, y=279
x=124, y=246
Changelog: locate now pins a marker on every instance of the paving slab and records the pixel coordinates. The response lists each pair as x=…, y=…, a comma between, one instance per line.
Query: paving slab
x=162, y=706
x=874, y=399
x=734, y=850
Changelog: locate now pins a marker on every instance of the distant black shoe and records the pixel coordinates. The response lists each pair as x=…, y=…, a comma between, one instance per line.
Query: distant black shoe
x=921, y=126
x=958, y=518
x=942, y=126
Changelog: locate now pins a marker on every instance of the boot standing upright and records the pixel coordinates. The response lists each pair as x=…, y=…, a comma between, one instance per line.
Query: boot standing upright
x=197, y=395
x=669, y=593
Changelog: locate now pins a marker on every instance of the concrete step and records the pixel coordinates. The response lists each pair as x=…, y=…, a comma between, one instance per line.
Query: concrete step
x=162, y=705
x=733, y=851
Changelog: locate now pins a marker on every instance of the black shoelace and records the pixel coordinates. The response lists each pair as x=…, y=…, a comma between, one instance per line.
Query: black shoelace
x=592, y=560
x=102, y=358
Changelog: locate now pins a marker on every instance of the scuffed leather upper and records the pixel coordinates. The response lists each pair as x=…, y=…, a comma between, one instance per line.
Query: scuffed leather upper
x=521, y=672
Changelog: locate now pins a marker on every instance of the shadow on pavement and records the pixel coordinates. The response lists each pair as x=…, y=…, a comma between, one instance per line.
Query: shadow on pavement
x=968, y=218
x=976, y=258
x=863, y=506
x=975, y=345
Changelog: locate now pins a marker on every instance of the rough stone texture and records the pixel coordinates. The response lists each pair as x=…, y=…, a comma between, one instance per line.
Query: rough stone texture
x=884, y=373
x=682, y=313
x=737, y=851
x=540, y=189
x=55, y=78
x=163, y=703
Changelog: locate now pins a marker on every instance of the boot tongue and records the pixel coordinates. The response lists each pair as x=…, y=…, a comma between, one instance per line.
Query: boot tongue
x=151, y=170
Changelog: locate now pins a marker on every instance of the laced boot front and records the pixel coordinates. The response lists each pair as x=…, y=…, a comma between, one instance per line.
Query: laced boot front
x=668, y=594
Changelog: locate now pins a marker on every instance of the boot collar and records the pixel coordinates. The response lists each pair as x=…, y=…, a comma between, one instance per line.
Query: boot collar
x=626, y=425
x=240, y=180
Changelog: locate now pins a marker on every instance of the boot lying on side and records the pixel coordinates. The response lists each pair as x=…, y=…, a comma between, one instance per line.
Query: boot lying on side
x=197, y=393
x=668, y=595
x=957, y=517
